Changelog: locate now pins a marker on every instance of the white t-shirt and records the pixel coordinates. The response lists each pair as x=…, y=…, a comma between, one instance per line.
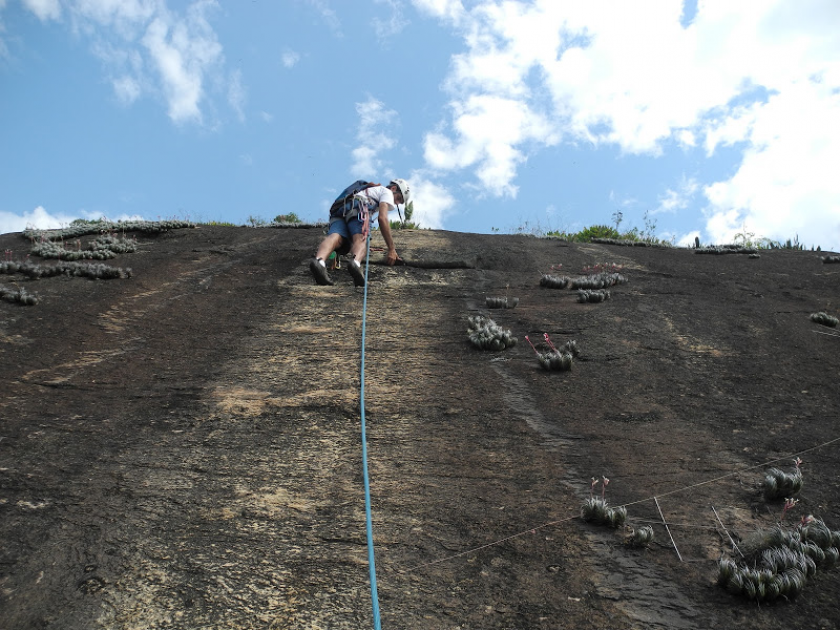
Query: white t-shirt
x=372, y=197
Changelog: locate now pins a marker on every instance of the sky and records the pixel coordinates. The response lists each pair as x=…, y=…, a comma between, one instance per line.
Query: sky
x=683, y=119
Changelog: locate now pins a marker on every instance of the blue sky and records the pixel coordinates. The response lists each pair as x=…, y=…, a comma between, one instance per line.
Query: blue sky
x=707, y=118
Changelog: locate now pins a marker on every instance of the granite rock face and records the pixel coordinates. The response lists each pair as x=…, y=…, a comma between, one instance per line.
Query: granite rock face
x=180, y=447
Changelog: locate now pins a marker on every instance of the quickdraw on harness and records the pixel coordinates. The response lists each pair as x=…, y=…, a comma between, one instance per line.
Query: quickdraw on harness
x=333, y=262
x=364, y=214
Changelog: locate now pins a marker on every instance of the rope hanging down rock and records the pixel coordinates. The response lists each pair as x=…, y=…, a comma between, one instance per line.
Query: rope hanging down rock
x=368, y=521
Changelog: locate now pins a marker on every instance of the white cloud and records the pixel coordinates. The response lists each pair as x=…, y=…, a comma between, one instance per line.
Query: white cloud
x=183, y=51
x=290, y=58
x=489, y=130
x=763, y=78
x=127, y=17
x=450, y=10
x=686, y=138
x=182, y=88
x=44, y=9
x=432, y=201
x=39, y=219
x=679, y=198
x=728, y=127
x=394, y=24
x=148, y=49
x=126, y=88
x=787, y=183
x=328, y=14
x=375, y=135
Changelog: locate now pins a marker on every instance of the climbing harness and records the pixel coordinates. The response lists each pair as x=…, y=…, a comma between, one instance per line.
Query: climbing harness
x=368, y=521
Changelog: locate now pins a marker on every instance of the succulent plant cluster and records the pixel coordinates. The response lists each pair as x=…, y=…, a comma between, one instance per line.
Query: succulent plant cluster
x=486, y=334
x=86, y=270
x=593, y=295
x=83, y=228
x=556, y=360
x=627, y=242
x=103, y=248
x=97, y=271
x=597, y=281
x=113, y=243
x=640, y=537
x=596, y=510
x=501, y=302
x=27, y=268
x=296, y=224
x=18, y=295
x=825, y=319
x=726, y=249
x=777, y=562
x=592, y=282
x=554, y=282
x=779, y=485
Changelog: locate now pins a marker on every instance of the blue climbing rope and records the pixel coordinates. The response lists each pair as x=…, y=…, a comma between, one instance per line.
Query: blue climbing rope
x=368, y=521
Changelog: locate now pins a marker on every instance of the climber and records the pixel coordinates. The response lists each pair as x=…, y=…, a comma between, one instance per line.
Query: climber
x=350, y=217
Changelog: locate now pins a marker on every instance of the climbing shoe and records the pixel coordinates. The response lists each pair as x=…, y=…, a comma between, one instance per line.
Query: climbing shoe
x=356, y=271
x=319, y=272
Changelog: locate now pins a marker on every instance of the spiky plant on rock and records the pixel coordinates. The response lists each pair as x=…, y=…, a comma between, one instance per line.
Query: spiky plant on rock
x=597, y=281
x=556, y=360
x=554, y=282
x=593, y=295
x=781, y=485
x=115, y=244
x=640, y=537
x=49, y=249
x=725, y=249
x=825, y=319
x=82, y=228
x=596, y=509
x=18, y=295
x=777, y=562
x=486, y=334
x=501, y=302
x=86, y=270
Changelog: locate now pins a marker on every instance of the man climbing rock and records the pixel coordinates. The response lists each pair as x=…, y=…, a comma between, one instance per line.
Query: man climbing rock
x=350, y=217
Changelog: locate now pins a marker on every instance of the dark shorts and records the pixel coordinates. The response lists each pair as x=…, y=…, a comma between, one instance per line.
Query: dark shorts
x=346, y=228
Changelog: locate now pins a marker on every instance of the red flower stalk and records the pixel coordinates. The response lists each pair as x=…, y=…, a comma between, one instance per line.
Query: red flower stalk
x=789, y=503
x=532, y=345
